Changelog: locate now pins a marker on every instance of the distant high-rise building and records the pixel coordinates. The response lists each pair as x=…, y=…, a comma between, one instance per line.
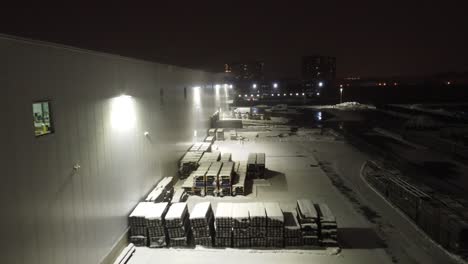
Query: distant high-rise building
x=247, y=71
x=318, y=72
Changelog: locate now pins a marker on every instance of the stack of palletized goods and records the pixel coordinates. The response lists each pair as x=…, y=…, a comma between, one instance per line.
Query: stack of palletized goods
x=155, y=224
x=292, y=230
x=205, y=146
x=223, y=225
x=251, y=165
x=210, y=139
x=212, y=178
x=189, y=163
x=225, y=178
x=201, y=222
x=260, y=166
x=233, y=134
x=258, y=224
x=308, y=219
x=209, y=157
x=328, y=226
x=199, y=178
x=137, y=220
x=162, y=191
x=238, y=188
x=275, y=225
x=219, y=134
x=241, y=225
x=187, y=185
x=179, y=196
x=212, y=132
x=225, y=157
x=178, y=225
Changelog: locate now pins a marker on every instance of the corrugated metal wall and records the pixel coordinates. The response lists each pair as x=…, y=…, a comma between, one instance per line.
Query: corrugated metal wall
x=51, y=214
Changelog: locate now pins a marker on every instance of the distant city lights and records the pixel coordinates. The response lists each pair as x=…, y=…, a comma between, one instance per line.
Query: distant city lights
x=320, y=84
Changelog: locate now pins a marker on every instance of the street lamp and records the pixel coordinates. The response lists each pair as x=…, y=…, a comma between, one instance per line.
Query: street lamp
x=341, y=95
x=254, y=86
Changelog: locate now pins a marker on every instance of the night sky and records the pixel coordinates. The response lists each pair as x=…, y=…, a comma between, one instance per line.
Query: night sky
x=369, y=38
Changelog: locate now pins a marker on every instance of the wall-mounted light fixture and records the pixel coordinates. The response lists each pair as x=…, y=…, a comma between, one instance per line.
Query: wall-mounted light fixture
x=123, y=115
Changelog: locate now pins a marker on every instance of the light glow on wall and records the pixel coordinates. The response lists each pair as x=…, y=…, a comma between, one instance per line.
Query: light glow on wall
x=197, y=97
x=123, y=116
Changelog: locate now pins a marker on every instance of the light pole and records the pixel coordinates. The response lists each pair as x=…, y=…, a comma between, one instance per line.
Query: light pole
x=341, y=95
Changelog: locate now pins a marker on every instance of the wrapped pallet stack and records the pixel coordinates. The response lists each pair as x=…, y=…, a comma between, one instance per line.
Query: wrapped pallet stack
x=308, y=219
x=238, y=187
x=178, y=225
x=137, y=220
x=258, y=224
x=189, y=163
x=223, y=225
x=275, y=225
x=328, y=226
x=240, y=225
x=212, y=178
x=162, y=192
x=225, y=179
x=292, y=230
x=157, y=234
x=199, y=179
x=201, y=222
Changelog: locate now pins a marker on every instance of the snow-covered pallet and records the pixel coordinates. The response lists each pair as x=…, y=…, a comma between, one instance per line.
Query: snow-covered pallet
x=275, y=231
x=212, y=132
x=240, y=215
x=179, y=196
x=238, y=188
x=225, y=157
x=155, y=214
x=306, y=211
x=292, y=228
x=206, y=231
x=210, y=157
x=223, y=215
x=210, y=139
x=201, y=215
x=275, y=217
x=137, y=217
x=310, y=240
x=180, y=231
x=219, y=134
x=225, y=175
x=176, y=215
x=257, y=214
x=187, y=185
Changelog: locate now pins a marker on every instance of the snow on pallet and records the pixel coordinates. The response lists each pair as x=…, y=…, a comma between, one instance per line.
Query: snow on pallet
x=201, y=215
x=179, y=196
x=306, y=211
x=137, y=216
x=257, y=214
x=226, y=157
x=223, y=215
x=158, y=194
x=155, y=214
x=176, y=215
x=240, y=215
x=275, y=217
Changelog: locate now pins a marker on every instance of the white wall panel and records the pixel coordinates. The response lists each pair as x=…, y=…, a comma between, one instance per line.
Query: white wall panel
x=52, y=214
